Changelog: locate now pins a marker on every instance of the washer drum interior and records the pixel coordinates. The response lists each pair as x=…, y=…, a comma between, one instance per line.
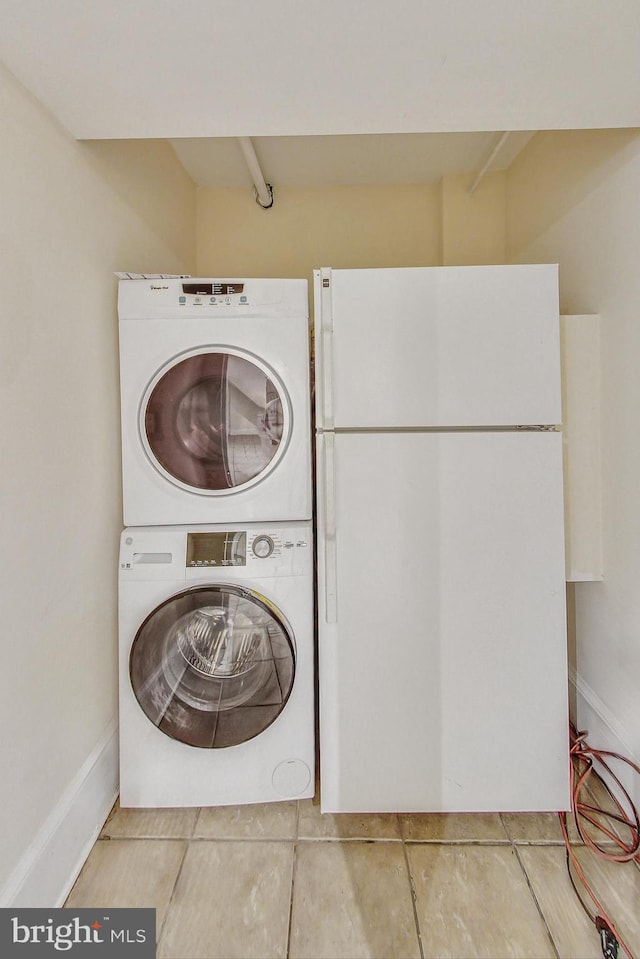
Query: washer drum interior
x=213, y=666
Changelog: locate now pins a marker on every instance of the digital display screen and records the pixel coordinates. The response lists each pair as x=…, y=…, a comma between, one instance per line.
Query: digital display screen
x=198, y=289
x=217, y=549
x=212, y=289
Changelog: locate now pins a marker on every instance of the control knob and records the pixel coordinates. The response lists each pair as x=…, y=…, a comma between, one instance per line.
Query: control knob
x=262, y=546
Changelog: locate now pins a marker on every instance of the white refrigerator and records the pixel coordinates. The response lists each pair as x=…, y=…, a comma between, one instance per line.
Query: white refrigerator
x=441, y=581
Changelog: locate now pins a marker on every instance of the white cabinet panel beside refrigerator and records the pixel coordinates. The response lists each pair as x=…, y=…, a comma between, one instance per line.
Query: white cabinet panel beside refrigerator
x=442, y=635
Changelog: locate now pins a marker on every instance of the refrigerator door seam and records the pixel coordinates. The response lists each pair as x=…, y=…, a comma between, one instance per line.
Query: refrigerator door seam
x=547, y=428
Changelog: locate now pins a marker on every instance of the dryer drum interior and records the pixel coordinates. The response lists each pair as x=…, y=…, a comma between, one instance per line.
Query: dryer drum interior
x=214, y=421
x=213, y=666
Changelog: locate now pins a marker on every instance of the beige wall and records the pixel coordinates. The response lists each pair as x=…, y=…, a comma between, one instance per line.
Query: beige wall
x=474, y=226
x=574, y=198
x=145, y=178
x=72, y=214
x=352, y=227
x=554, y=173
x=309, y=227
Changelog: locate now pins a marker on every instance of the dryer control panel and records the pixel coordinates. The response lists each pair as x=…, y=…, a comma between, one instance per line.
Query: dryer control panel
x=145, y=299
x=213, y=293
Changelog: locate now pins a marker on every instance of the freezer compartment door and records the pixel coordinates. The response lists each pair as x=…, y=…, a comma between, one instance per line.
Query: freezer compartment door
x=442, y=636
x=441, y=346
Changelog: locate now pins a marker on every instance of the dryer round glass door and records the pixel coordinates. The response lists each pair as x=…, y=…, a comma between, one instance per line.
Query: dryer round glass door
x=213, y=666
x=215, y=421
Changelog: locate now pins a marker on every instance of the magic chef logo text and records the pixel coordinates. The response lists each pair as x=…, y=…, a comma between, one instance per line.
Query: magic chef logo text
x=64, y=936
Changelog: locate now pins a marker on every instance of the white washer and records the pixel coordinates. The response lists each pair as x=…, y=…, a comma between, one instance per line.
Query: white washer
x=216, y=665
x=215, y=400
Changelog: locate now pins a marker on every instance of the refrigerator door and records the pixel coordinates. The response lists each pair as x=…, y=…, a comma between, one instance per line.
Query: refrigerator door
x=442, y=638
x=441, y=346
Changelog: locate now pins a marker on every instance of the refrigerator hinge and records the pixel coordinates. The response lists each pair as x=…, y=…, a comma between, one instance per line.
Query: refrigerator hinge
x=326, y=318
x=326, y=348
x=542, y=428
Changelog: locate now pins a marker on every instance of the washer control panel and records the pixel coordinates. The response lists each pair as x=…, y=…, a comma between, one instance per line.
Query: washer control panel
x=251, y=551
x=230, y=548
x=260, y=551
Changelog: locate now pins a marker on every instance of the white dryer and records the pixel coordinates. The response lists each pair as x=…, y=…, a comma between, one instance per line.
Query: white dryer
x=215, y=400
x=216, y=665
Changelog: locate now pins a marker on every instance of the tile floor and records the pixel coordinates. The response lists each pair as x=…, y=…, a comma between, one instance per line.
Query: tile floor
x=282, y=880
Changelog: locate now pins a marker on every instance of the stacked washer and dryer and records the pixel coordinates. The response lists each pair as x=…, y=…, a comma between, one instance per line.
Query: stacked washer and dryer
x=216, y=562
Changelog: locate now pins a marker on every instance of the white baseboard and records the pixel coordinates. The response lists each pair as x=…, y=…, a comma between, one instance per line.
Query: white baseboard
x=47, y=871
x=605, y=732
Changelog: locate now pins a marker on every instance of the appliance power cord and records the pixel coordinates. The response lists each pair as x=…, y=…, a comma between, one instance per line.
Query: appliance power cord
x=583, y=762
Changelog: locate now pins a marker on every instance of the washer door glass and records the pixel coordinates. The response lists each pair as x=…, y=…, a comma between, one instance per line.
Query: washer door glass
x=215, y=421
x=213, y=666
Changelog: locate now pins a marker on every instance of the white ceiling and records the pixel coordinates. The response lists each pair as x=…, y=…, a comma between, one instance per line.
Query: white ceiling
x=212, y=68
x=355, y=159
x=331, y=91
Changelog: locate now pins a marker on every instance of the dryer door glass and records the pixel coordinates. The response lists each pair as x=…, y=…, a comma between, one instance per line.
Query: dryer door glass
x=213, y=666
x=215, y=421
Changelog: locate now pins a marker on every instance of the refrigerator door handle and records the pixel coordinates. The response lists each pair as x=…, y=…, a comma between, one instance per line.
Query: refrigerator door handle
x=326, y=340
x=330, y=545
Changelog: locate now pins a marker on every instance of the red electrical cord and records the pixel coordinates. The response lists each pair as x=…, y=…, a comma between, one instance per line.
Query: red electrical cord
x=625, y=814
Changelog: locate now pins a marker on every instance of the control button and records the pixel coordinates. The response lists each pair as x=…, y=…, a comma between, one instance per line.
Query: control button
x=301, y=542
x=182, y=299
x=243, y=299
x=262, y=546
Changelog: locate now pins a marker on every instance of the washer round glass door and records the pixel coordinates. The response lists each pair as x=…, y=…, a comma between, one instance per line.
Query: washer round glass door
x=215, y=421
x=213, y=666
